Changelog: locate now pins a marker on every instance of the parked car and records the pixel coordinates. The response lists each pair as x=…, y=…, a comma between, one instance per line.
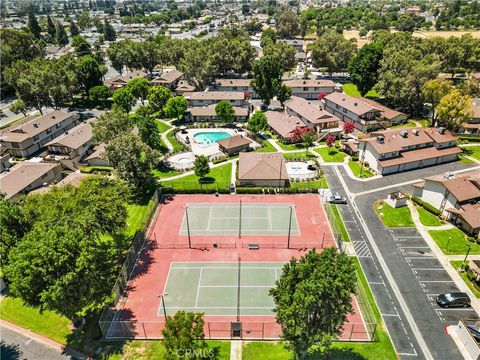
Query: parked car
x=337, y=199
x=457, y=299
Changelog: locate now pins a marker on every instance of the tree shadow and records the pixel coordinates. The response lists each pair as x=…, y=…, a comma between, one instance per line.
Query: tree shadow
x=206, y=180
x=10, y=351
x=336, y=354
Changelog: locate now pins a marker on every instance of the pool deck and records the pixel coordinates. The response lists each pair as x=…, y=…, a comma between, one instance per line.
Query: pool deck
x=212, y=150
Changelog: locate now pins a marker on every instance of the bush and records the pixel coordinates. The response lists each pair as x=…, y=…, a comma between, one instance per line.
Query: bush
x=426, y=206
x=219, y=160
x=96, y=169
x=354, y=158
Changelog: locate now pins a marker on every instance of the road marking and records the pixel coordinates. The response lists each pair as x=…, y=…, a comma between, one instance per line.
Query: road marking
x=457, y=309
x=432, y=269
x=436, y=281
x=388, y=274
x=396, y=315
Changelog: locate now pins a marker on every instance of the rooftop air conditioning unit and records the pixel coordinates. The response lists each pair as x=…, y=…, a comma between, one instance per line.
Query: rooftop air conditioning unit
x=381, y=139
x=415, y=132
x=441, y=130
x=404, y=133
x=448, y=175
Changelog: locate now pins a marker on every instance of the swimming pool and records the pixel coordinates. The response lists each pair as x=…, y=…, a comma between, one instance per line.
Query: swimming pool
x=209, y=138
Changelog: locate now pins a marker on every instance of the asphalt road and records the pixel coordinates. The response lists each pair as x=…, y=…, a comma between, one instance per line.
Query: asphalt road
x=415, y=271
x=14, y=346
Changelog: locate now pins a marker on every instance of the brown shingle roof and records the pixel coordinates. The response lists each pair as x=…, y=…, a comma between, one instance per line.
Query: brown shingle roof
x=309, y=83
x=462, y=187
x=262, y=166
x=168, y=78
x=74, y=138
x=387, y=113
x=98, y=152
x=309, y=110
x=355, y=105
x=283, y=123
x=215, y=95
x=123, y=79
x=420, y=154
x=234, y=141
x=34, y=125
x=233, y=82
x=210, y=111
x=470, y=213
x=22, y=175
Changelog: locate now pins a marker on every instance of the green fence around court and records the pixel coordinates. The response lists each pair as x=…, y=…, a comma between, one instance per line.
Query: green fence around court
x=366, y=309
x=136, y=247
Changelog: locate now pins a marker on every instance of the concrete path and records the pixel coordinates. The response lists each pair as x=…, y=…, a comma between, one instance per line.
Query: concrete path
x=444, y=259
x=165, y=139
x=275, y=145
x=236, y=350
x=186, y=173
x=233, y=178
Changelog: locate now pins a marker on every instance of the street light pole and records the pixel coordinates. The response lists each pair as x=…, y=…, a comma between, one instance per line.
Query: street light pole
x=448, y=242
x=468, y=252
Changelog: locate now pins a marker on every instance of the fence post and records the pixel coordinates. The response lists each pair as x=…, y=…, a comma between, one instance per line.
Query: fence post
x=351, y=332
x=144, y=332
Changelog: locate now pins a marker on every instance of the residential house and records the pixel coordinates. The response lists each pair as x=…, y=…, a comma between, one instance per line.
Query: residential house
x=73, y=178
x=473, y=125
x=283, y=124
x=235, y=144
x=350, y=109
x=202, y=98
x=207, y=113
x=5, y=162
x=312, y=115
x=456, y=196
x=25, y=138
x=298, y=44
x=121, y=80
x=390, y=116
x=97, y=157
x=393, y=151
x=27, y=176
x=183, y=87
x=240, y=85
x=262, y=169
x=73, y=143
x=169, y=79
x=310, y=89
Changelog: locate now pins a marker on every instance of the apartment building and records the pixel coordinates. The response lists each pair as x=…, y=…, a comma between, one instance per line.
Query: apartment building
x=73, y=143
x=310, y=89
x=393, y=151
x=32, y=134
x=208, y=113
x=203, y=98
x=240, y=85
x=312, y=115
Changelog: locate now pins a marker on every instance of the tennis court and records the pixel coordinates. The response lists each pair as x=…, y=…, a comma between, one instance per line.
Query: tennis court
x=238, y=218
x=220, y=288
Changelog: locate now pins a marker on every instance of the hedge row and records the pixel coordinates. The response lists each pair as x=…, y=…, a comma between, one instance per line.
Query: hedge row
x=426, y=206
x=95, y=169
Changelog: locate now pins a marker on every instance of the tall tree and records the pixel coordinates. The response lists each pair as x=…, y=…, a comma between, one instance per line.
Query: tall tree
x=74, y=30
x=284, y=52
x=176, y=107
x=287, y=25
x=267, y=73
x=61, y=37
x=149, y=132
x=111, y=125
x=284, y=93
x=51, y=29
x=364, y=66
x=225, y=111
x=158, y=96
x=257, y=122
x=312, y=299
x=124, y=99
x=32, y=24
x=183, y=334
x=89, y=73
x=139, y=88
x=132, y=160
x=108, y=31
x=433, y=91
x=454, y=110
x=81, y=46
x=332, y=51
x=201, y=167
x=268, y=37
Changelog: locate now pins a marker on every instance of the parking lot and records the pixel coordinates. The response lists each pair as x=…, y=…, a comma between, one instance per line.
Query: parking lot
x=429, y=273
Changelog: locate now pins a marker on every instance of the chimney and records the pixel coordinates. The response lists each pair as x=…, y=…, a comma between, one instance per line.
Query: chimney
x=35, y=125
x=355, y=104
x=381, y=139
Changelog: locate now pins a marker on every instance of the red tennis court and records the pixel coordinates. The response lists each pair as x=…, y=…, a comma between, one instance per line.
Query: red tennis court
x=224, y=268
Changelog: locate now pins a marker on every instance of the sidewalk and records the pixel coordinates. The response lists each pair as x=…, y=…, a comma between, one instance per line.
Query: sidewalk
x=442, y=258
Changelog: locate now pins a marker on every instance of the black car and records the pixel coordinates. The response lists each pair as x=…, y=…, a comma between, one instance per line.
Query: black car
x=457, y=299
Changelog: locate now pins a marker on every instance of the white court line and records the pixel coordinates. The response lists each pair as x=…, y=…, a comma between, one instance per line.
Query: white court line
x=220, y=307
x=209, y=218
x=198, y=286
x=221, y=267
x=236, y=286
x=269, y=218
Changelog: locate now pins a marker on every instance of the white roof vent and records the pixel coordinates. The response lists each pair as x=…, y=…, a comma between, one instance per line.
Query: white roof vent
x=404, y=133
x=381, y=139
x=441, y=130
x=415, y=132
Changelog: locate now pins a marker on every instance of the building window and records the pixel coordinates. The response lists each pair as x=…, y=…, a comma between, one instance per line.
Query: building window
x=16, y=145
x=35, y=138
x=50, y=130
x=337, y=107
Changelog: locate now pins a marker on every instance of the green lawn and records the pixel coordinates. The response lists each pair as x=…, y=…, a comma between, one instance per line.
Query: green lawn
x=394, y=217
x=472, y=151
x=331, y=154
x=408, y=124
x=47, y=323
x=219, y=177
x=463, y=159
x=315, y=184
x=266, y=147
x=289, y=147
x=339, y=221
x=177, y=146
x=457, y=265
x=355, y=167
x=162, y=171
x=427, y=218
x=138, y=350
x=162, y=127
x=457, y=244
x=299, y=155
x=351, y=89
x=378, y=350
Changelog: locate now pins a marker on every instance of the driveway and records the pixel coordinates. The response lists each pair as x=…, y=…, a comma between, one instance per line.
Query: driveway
x=403, y=274
x=15, y=346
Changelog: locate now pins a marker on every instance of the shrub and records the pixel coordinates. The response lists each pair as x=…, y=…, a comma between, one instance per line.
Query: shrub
x=355, y=158
x=95, y=169
x=426, y=206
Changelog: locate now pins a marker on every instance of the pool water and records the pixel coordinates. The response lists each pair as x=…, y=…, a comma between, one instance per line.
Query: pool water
x=209, y=138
